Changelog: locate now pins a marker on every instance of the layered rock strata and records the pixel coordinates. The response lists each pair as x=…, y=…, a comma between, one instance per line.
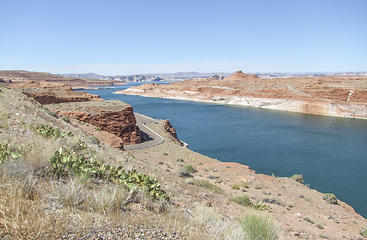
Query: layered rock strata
x=112, y=116
x=330, y=95
x=49, y=92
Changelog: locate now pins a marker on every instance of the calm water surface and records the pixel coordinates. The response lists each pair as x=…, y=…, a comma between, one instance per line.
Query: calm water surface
x=330, y=152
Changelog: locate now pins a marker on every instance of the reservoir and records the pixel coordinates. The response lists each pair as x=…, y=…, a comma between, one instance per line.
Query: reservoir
x=330, y=152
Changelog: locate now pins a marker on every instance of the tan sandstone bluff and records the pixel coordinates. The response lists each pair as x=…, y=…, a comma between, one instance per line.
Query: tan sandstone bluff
x=339, y=96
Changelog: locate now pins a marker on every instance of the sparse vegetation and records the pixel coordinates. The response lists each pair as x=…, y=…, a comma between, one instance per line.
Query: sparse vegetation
x=243, y=200
x=207, y=185
x=363, y=233
x=235, y=186
x=261, y=206
x=66, y=119
x=297, y=178
x=330, y=198
x=258, y=226
x=320, y=226
x=51, y=113
x=307, y=219
x=67, y=163
x=48, y=131
x=186, y=171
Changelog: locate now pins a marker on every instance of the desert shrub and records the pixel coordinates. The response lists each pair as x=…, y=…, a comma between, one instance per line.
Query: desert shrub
x=297, y=178
x=257, y=186
x=66, y=119
x=330, y=198
x=235, y=187
x=307, y=219
x=190, y=168
x=214, y=225
x=363, y=233
x=186, y=171
x=320, y=226
x=207, y=185
x=51, y=113
x=213, y=176
x=243, y=200
x=258, y=226
x=95, y=140
x=71, y=194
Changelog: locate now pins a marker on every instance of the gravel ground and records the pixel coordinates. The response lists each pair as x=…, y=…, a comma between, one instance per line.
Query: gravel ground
x=123, y=232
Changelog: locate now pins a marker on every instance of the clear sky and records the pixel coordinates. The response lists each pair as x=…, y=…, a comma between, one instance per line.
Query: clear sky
x=114, y=37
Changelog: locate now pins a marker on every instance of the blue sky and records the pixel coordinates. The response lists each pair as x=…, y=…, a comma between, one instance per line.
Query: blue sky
x=114, y=37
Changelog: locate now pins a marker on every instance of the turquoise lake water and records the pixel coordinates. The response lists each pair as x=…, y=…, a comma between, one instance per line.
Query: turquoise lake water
x=330, y=152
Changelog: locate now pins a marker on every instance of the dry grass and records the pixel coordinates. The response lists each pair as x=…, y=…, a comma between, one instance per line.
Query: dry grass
x=22, y=214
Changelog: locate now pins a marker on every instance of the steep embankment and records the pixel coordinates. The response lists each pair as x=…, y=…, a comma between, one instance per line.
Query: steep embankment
x=332, y=96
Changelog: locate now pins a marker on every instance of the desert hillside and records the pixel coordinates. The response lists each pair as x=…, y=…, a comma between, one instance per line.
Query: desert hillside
x=341, y=96
x=62, y=179
x=11, y=77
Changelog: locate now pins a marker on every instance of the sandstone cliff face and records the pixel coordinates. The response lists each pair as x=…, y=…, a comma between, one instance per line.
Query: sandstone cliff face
x=120, y=123
x=112, y=116
x=171, y=131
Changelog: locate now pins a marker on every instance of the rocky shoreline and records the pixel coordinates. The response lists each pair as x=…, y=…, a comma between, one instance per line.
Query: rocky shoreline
x=330, y=96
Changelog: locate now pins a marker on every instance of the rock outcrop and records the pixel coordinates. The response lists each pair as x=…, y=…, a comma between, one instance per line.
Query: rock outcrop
x=50, y=92
x=171, y=131
x=112, y=116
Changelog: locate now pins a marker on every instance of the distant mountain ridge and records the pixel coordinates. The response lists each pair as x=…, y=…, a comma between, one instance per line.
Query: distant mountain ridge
x=187, y=75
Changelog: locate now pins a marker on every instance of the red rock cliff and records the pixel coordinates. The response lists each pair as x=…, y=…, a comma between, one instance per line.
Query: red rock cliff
x=112, y=116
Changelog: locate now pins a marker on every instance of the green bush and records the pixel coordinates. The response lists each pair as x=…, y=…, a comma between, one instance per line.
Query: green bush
x=51, y=113
x=186, y=171
x=243, y=200
x=256, y=227
x=235, y=187
x=297, y=178
x=330, y=198
x=66, y=119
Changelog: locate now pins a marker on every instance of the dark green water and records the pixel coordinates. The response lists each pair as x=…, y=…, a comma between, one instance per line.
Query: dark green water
x=330, y=152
